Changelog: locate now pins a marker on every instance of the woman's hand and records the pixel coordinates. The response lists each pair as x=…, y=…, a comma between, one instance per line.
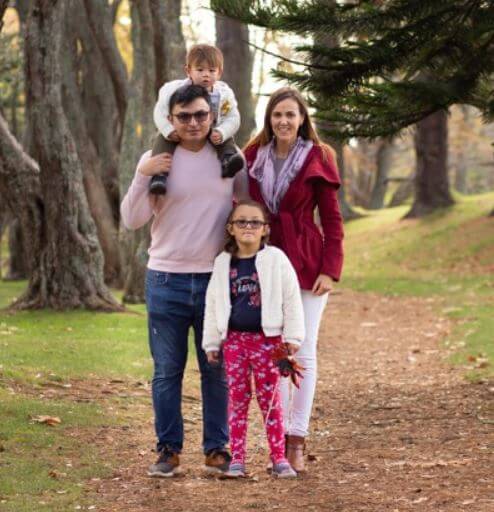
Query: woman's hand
x=323, y=284
x=158, y=164
x=292, y=348
x=213, y=357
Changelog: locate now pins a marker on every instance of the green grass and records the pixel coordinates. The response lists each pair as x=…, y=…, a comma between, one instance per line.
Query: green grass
x=449, y=254
x=42, y=346
x=75, y=344
x=42, y=467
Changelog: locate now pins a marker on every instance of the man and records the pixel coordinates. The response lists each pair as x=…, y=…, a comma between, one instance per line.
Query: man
x=186, y=234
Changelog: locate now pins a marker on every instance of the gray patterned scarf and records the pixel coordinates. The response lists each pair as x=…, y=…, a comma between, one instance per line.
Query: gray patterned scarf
x=273, y=187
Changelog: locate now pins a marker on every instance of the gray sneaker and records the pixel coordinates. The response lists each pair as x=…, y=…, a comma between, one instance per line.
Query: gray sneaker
x=236, y=470
x=167, y=465
x=283, y=470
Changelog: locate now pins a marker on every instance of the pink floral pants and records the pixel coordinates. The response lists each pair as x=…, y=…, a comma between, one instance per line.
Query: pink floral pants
x=247, y=353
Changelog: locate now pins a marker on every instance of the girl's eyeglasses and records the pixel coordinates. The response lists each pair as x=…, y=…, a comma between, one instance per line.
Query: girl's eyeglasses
x=200, y=116
x=243, y=223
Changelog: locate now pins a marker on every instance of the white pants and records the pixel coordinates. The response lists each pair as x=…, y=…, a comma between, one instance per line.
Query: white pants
x=297, y=403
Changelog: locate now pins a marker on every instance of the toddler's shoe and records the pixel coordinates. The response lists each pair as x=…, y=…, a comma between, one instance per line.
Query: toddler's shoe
x=158, y=184
x=167, y=465
x=283, y=470
x=231, y=164
x=236, y=470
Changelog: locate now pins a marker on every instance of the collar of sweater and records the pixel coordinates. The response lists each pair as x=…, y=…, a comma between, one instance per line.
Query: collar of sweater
x=226, y=257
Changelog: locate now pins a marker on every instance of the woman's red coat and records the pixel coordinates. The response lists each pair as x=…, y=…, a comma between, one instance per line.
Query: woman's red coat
x=293, y=228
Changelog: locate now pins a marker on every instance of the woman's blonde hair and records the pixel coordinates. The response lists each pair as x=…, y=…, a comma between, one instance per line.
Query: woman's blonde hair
x=230, y=242
x=307, y=130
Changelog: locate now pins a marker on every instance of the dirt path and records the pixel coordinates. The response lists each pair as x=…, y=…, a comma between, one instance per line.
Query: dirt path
x=394, y=428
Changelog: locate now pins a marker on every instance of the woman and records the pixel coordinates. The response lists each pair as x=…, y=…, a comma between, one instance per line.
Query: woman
x=292, y=173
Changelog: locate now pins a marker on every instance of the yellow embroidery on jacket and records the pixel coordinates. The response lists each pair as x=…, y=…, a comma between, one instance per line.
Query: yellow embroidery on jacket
x=225, y=107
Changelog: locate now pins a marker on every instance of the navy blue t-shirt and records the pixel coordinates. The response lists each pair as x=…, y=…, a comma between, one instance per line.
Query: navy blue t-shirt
x=245, y=295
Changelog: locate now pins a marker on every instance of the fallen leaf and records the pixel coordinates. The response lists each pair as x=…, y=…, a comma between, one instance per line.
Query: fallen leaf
x=56, y=474
x=47, y=420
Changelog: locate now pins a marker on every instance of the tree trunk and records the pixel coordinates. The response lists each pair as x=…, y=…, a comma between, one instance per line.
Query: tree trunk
x=403, y=192
x=21, y=193
x=431, y=178
x=168, y=40
x=71, y=261
x=4, y=220
x=17, y=269
x=138, y=131
x=104, y=90
x=232, y=37
x=347, y=211
x=92, y=161
x=383, y=160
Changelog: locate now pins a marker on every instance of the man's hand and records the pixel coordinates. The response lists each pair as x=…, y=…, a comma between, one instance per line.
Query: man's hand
x=158, y=164
x=213, y=357
x=174, y=136
x=216, y=138
x=322, y=285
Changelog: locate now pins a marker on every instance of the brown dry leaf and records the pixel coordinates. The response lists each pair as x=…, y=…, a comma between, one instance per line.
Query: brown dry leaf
x=47, y=420
x=56, y=474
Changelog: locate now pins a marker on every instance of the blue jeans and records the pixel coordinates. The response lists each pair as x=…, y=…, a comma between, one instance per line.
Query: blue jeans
x=175, y=302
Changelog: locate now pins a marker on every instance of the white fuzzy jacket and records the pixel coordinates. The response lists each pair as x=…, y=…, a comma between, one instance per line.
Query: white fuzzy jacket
x=228, y=121
x=281, y=302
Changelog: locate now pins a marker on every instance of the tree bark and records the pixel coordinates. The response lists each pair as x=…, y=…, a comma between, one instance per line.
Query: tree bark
x=168, y=40
x=71, y=261
x=403, y=192
x=138, y=131
x=232, y=37
x=17, y=268
x=104, y=90
x=21, y=193
x=383, y=163
x=431, y=178
x=347, y=211
x=92, y=163
x=4, y=220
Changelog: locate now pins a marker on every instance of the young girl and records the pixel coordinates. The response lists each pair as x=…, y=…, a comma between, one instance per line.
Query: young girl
x=253, y=304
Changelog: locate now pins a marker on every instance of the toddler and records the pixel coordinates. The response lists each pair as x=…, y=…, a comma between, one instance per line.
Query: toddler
x=204, y=67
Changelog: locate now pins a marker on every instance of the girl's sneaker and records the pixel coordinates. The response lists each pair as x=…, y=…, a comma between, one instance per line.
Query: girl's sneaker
x=236, y=470
x=283, y=470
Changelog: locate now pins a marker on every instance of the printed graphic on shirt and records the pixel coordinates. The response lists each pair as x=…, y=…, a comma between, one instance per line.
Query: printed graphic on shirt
x=246, y=285
x=245, y=296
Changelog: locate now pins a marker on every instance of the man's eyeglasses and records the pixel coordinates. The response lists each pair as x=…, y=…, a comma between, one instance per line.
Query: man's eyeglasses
x=243, y=223
x=200, y=116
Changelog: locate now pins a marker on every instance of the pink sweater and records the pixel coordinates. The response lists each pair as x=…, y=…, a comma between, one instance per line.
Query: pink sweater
x=189, y=221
